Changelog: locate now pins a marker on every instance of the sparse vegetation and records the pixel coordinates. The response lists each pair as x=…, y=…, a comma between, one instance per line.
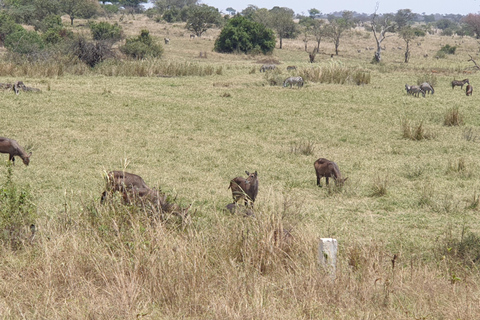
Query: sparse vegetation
x=406, y=220
x=453, y=117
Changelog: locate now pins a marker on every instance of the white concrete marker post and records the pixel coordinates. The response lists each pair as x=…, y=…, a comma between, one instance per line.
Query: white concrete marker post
x=327, y=252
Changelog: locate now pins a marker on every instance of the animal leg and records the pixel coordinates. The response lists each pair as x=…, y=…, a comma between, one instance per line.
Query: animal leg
x=327, y=180
x=11, y=158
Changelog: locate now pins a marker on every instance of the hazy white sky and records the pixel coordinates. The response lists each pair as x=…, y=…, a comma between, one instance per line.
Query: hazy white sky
x=361, y=6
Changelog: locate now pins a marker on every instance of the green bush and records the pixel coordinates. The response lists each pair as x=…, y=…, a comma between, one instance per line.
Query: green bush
x=16, y=211
x=24, y=42
x=52, y=21
x=7, y=26
x=141, y=47
x=105, y=31
x=243, y=35
x=448, y=49
x=56, y=35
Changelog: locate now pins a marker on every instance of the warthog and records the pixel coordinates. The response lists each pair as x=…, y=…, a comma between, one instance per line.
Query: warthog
x=123, y=182
x=289, y=68
x=414, y=90
x=427, y=87
x=246, y=189
x=469, y=90
x=167, y=40
x=459, y=83
x=293, y=80
x=328, y=169
x=266, y=67
x=11, y=147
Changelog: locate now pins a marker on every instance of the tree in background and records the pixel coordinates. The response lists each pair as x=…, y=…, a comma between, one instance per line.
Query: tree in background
x=231, y=11
x=312, y=13
x=201, y=18
x=403, y=18
x=244, y=35
x=407, y=33
x=142, y=46
x=380, y=26
x=133, y=5
x=473, y=23
x=249, y=12
x=281, y=20
x=79, y=8
x=337, y=26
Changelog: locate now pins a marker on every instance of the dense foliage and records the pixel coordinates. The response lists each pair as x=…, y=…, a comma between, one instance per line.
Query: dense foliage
x=105, y=31
x=243, y=35
x=142, y=46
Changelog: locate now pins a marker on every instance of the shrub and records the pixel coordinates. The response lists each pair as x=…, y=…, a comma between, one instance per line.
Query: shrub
x=24, y=42
x=91, y=53
x=16, y=210
x=243, y=35
x=105, y=31
x=448, y=49
x=56, y=35
x=7, y=26
x=453, y=118
x=141, y=47
x=51, y=21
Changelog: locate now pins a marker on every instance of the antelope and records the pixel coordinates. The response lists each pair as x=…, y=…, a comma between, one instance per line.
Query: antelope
x=246, y=189
x=328, y=169
x=427, y=87
x=167, y=40
x=293, y=80
x=291, y=68
x=12, y=147
x=123, y=182
x=469, y=90
x=459, y=83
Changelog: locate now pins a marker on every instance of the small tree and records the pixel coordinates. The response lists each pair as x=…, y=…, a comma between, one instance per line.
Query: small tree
x=380, y=26
x=281, y=20
x=231, y=11
x=473, y=22
x=337, y=26
x=407, y=34
x=201, y=18
x=24, y=42
x=243, y=35
x=141, y=47
x=79, y=8
x=105, y=31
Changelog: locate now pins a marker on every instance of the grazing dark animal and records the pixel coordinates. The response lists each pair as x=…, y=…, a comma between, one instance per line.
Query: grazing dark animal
x=14, y=149
x=427, y=87
x=123, y=182
x=246, y=189
x=459, y=83
x=328, y=169
x=289, y=68
x=469, y=90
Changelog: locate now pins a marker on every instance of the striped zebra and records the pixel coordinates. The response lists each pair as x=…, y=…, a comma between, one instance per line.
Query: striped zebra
x=459, y=83
x=427, y=87
x=266, y=67
x=293, y=80
x=414, y=90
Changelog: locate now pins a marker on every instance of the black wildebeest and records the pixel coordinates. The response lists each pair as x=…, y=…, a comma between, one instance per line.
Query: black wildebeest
x=459, y=83
x=246, y=189
x=11, y=147
x=328, y=169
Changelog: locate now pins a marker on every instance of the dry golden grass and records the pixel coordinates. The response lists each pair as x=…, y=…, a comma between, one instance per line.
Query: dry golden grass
x=402, y=219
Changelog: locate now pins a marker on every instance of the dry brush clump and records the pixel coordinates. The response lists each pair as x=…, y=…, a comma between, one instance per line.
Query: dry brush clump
x=336, y=73
x=453, y=117
x=417, y=132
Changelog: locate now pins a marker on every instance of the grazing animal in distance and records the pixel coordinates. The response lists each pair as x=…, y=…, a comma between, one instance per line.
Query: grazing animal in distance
x=293, y=80
x=414, y=90
x=459, y=83
x=328, y=169
x=246, y=189
x=192, y=36
x=427, y=87
x=266, y=67
x=167, y=40
x=289, y=68
x=123, y=182
x=12, y=147
x=469, y=90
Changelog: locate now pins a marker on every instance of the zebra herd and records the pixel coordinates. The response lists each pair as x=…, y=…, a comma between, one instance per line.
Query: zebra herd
x=290, y=81
x=427, y=87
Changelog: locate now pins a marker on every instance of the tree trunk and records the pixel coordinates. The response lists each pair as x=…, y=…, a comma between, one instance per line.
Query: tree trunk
x=280, y=42
x=71, y=20
x=407, y=53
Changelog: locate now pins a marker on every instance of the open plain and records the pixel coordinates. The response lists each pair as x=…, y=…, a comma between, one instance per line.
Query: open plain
x=406, y=219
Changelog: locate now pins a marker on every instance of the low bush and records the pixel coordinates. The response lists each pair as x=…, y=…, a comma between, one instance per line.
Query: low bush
x=105, y=31
x=141, y=47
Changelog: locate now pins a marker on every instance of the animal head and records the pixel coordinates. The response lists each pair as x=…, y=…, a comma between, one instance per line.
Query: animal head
x=251, y=176
x=26, y=160
x=407, y=87
x=340, y=181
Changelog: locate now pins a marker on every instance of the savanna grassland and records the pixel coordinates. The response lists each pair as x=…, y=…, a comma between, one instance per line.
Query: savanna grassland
x=406, y=220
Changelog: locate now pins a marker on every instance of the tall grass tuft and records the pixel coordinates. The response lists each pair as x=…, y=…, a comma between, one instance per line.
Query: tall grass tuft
x=379, y=186
x=453, y=118
x=17, y=211
x=415, y=133
x=336, y=73
x=306, y=148
x=429, y=78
